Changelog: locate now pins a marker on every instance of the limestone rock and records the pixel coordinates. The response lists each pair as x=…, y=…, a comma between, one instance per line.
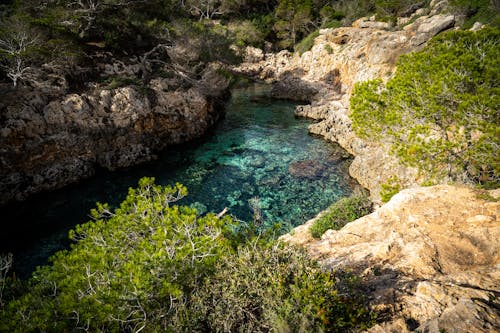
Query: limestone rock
x=430, y=259
x=49, y=141
x=326, y=75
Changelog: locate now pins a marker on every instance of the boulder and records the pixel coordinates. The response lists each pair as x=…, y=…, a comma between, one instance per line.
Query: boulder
x=429, y=258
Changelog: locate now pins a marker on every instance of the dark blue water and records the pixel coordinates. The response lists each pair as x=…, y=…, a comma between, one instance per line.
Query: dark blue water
x=259, y=152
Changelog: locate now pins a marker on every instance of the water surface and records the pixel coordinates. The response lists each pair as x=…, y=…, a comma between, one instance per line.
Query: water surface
x=260, y=151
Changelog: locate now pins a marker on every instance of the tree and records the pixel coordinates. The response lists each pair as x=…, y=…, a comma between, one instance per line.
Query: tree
x=205, y=9
x=17, y=44
x=293, y=21
x=128, y=268
x=440, y=112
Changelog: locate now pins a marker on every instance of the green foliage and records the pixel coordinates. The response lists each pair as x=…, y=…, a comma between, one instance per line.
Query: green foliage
x=271, y=287
x=121, y=81
x=340, y=213
x=153, y=266
x=388, y=10
x=440, y=112
x=484, y=11
x=293, y=21
x=246, y=33
x=127, y=269
x=390, y=189
x=328, y=49
x=307, y=43
x=331, y=25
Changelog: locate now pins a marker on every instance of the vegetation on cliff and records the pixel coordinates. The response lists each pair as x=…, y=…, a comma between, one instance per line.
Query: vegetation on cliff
x=440, y=111
x=65, y=34
x=150, y=266
x=340, y=213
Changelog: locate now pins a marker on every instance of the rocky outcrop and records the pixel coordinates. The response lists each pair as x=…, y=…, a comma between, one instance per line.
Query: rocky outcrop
x=47, y=142
x=326, y=75
x=429, y=259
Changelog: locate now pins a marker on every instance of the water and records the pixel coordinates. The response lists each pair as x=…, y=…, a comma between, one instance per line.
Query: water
x=260, y=150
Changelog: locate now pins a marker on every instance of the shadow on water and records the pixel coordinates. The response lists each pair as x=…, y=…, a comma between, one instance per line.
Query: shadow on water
x=252, y=152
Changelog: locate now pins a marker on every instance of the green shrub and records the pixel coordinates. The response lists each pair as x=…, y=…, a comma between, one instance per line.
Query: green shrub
x=332, y=25
x=340, y=213
x=127, y=270
x=440, y=111
x=246, y=33
x=307, y=43
x=484, y=11
x=152, y=266
x=390, y=189
x=121, y=81
x=271, y=287
x=328, y=49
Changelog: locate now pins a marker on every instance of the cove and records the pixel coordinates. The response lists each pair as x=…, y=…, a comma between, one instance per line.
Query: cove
x=258, y=153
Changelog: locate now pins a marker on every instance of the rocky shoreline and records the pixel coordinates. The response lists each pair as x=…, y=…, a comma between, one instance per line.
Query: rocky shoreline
x=429, y=257
x=326, y=75
x=50, y=140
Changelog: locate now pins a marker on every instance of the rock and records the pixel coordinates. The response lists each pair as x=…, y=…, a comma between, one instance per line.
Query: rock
x=294, y=88
x=425, y=28
x=309, y=169
x=429, y=259
x=366, y=23
x=477, y=26
x=253, y=54
x=49, y=141
x=326, y=75
x=438, y=6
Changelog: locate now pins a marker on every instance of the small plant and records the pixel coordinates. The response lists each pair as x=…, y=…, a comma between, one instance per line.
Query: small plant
x=484, y=195
x=390, y=189
x=307, y=43
x=332, y=25
x=267, y=286
x=119, y=81
x=340, y=213
x=328, y=49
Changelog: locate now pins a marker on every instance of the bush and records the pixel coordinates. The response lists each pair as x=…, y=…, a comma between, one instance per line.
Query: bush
x=440, y=111
x=484, y=11
x=128, y=269
x=340, y=213
x=307, y=43
x=390, y=189
x=152, y=266
x=271, y=287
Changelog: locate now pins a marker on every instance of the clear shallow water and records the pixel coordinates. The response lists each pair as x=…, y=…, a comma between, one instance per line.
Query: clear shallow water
x=259, y=150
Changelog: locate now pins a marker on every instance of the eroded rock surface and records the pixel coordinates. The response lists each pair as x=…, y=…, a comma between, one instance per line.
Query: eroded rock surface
x=48, y=141
x=430, y=259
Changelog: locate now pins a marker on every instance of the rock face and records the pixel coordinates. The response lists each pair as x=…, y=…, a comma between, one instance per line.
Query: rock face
x=430, y=259
x=325, y=77
x=48, y=142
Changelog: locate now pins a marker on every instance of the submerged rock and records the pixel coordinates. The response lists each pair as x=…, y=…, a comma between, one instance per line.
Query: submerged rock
x=429, y=259
x=309, y=169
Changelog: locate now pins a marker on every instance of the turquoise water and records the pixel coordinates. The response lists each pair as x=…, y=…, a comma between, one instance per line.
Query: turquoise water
x=260, y=152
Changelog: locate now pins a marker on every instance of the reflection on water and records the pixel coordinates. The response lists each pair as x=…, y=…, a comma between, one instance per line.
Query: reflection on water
x=259, y=150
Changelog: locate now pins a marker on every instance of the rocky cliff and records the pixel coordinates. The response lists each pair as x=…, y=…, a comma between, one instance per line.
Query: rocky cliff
x=429, y=258
x=48, y=140
x=325, y=77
